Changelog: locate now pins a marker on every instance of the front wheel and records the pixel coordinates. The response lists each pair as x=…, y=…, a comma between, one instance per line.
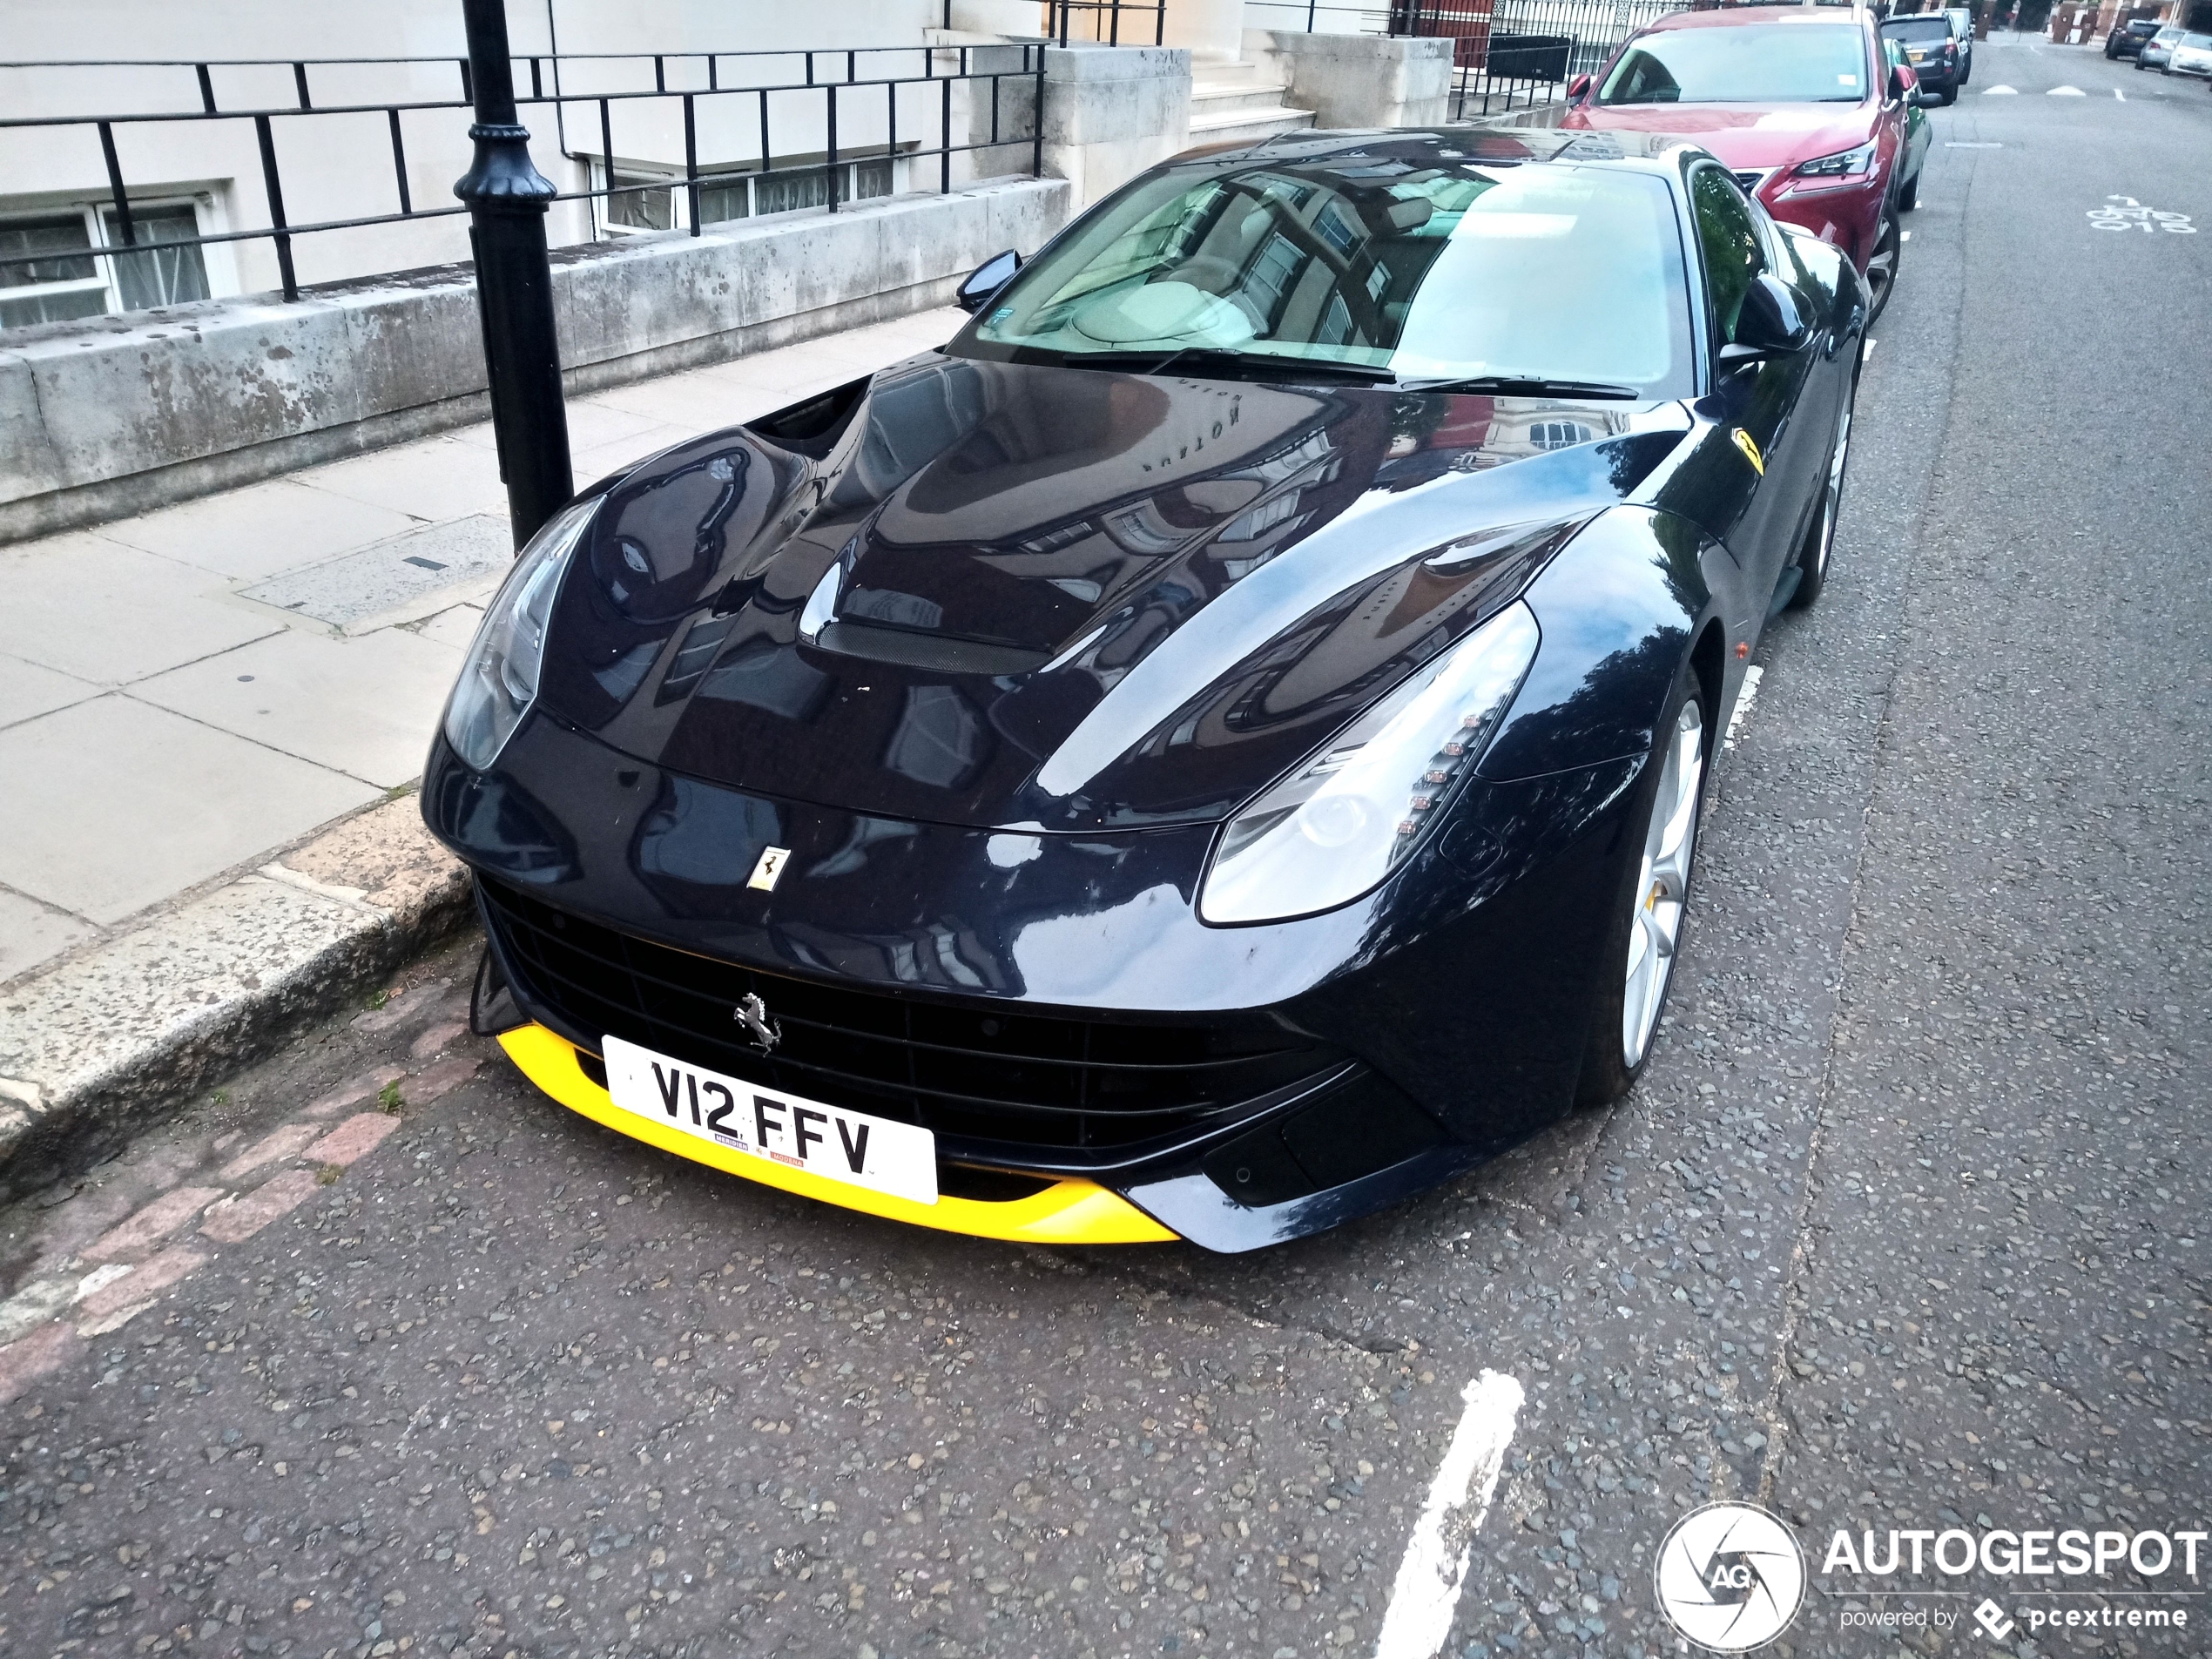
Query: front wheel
x=1820, y=534
x=1881, y=264
x=1646, y=934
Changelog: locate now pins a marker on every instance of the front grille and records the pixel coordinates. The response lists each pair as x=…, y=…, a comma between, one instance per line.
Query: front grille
x=1055, y=1083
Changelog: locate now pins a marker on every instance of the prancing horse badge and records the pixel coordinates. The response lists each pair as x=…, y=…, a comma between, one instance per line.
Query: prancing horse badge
x=1751, y=449
x=771, y=867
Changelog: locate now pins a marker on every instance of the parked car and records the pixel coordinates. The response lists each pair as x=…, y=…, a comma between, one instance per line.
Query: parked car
x=2159, y=48
x=2192, y=55
x=1212, y=751
x=1930, y=51
x=1962, y=27
x=1800, y=100
x=1917, y=136
x=2128, y=39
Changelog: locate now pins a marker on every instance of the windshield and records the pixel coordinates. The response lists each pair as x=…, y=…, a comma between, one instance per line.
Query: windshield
x=1747, y=64
x=1379, y=269
x=1920, y=28
x=2195, y=40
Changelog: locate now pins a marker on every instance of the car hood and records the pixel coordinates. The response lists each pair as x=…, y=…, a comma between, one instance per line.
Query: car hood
x=1742, y=135
x=1001, y=594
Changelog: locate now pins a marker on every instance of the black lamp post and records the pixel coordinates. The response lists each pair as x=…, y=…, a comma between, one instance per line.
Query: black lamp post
x=508, y=199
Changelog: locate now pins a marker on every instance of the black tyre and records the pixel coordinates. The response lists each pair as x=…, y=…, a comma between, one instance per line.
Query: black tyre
x=1950, y=96
x=1658, y=863
x=1881, y=265
x=1814, y=552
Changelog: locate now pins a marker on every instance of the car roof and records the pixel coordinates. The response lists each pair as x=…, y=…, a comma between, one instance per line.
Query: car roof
x=1738, y=16
x=1659, y=155
x=1635, y=152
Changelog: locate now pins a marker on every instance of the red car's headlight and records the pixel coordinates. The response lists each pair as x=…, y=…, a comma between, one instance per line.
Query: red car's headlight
x=1843, y=163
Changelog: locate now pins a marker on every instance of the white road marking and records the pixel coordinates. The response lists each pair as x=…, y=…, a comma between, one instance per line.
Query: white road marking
x=1745, y=698
x=2000, y=91
x=100, y=1278
x=1905, y=236
x=1956, y=144
x=1427, y=1593
x=1867, y=356
x=2122, y=96
x=2066, y=91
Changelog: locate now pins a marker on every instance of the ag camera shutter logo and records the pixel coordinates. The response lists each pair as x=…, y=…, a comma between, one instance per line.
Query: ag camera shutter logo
x=1729, y=1577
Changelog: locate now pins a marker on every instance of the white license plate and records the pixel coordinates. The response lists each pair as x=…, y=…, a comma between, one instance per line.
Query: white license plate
x=773, y=1125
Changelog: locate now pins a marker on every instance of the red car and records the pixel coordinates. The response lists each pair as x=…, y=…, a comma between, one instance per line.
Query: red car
x=1799, y=102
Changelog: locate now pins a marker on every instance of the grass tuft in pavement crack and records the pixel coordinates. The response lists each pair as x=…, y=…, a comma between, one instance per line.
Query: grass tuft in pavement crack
x=389, y=1099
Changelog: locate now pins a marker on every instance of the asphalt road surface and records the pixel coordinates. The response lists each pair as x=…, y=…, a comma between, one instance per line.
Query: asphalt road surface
x=1904, y=1230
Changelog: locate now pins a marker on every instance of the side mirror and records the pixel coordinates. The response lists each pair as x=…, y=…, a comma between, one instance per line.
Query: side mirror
x=1768, y=324
x=986, y=280
x=1576, y=87
x=1904, y=83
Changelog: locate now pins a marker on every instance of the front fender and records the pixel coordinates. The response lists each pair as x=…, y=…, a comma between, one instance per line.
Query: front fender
x=1621, y=608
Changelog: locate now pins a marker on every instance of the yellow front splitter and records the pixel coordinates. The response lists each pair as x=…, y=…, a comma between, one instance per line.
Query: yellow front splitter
x=1069, y=1212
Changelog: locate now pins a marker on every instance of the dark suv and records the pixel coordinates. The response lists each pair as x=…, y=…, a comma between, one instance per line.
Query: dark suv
x=2126, y=39
x=1930, y=51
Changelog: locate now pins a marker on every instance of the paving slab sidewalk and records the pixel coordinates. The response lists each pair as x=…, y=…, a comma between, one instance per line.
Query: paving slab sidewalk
x=212, y=715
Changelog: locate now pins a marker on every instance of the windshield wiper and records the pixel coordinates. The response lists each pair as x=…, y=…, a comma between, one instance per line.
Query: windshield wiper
x=1232, y=364
x=1520, y=386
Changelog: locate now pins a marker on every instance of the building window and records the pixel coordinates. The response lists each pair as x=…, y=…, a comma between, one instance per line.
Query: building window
x=166, y=276
x=652, y=201
x=641, y=202
x=77, y=275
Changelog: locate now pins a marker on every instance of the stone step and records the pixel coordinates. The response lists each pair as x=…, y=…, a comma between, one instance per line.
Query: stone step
x=1239, y=73
x=1248, y=125
x=1215, y=100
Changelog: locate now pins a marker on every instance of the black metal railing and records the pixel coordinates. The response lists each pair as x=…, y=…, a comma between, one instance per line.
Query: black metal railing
x=1108, y=22
x=1507, y=55
x=907, y=80
x=1313, y=17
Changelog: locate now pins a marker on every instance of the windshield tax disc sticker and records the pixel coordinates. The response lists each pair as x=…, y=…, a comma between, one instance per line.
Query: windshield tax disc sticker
x=1729, y=1577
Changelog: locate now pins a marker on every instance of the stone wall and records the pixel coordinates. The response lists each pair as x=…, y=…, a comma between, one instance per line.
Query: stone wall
x=1359, y=80
x=1111, y=112
x=115, y=415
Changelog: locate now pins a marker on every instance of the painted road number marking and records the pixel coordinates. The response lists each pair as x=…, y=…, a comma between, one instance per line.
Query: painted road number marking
x=2126, y=213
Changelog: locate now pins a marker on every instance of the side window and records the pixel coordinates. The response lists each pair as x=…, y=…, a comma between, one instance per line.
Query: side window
x=1734, y=254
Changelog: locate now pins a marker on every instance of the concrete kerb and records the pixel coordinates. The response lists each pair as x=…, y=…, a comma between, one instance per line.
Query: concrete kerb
x=110, y=1041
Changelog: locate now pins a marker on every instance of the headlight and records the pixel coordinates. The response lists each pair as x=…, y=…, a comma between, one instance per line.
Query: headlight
x=1342, y=821
x=1835, y=167
x=498, y=679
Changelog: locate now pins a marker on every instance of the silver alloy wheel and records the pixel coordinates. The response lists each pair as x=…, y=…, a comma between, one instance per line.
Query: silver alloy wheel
x=1832, y=505
x=1881, y=264
x=1663, y=884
